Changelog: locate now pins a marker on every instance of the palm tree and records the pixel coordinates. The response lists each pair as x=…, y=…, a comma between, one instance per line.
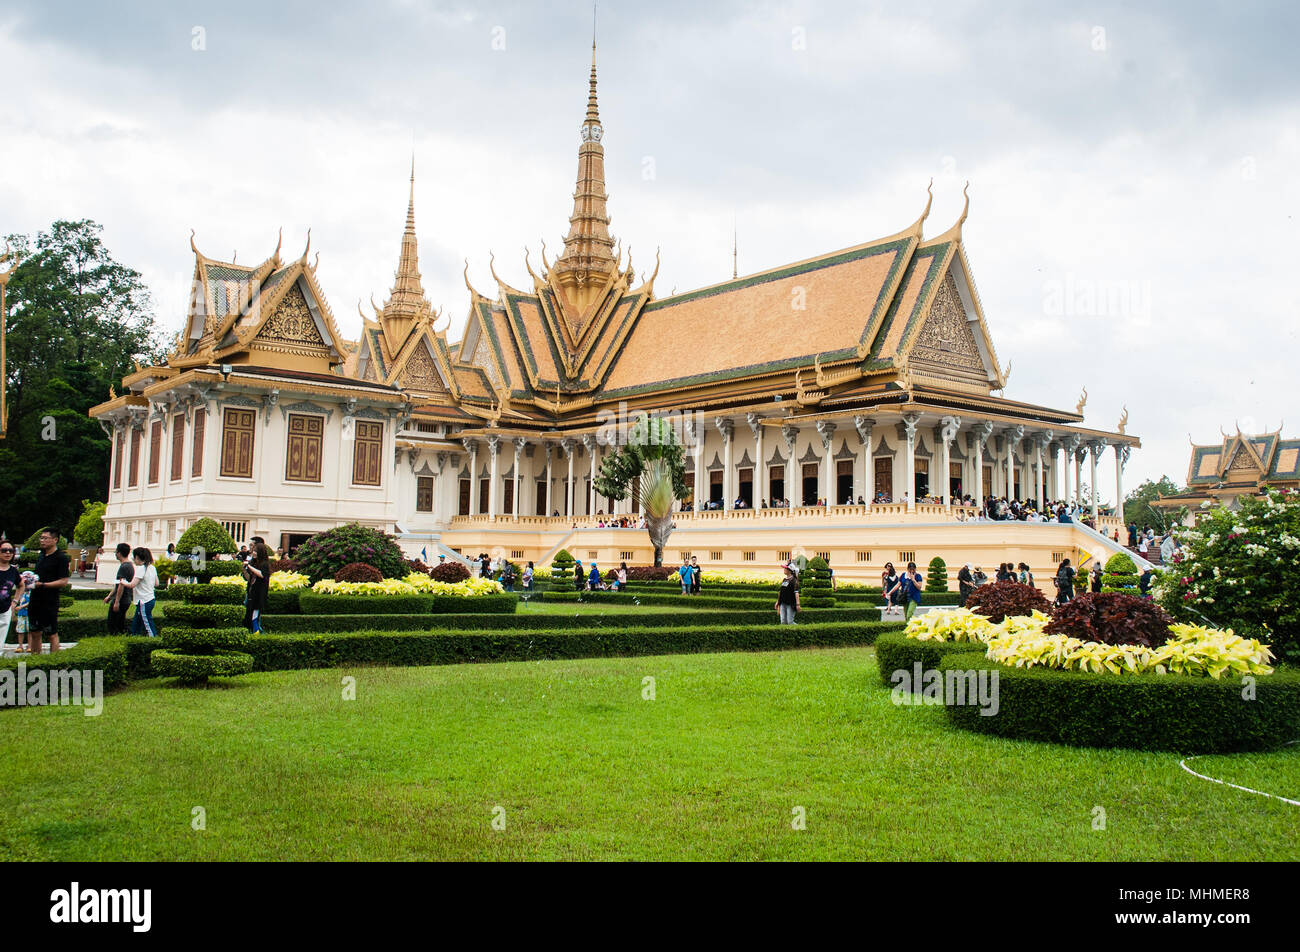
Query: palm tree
x=649, y=469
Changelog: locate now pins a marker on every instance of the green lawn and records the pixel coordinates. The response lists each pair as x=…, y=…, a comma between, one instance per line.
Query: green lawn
x=584, y=768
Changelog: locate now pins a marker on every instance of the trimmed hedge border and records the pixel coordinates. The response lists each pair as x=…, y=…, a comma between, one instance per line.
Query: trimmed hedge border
x=896, y=652
x=1189, y=715
x=406, y=648
x=311, y=603
x=74, y=629
x=100, y=654
x=181, y=614
x=85, y=594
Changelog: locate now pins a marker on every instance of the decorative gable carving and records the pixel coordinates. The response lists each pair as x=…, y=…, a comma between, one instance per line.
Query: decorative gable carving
x=292, y=323
x=946, y=339
x=421, y=371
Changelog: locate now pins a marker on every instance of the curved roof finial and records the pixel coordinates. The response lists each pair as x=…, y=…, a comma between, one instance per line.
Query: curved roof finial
x=194, y=247
x=965, y=210
x=528, y=265
x=303, y=259
x=492, y=261
x=315, y=261
x=546, y=265
x=275, y=255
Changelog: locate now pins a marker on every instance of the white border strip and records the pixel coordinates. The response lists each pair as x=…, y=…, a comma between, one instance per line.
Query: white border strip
x=1183, y=763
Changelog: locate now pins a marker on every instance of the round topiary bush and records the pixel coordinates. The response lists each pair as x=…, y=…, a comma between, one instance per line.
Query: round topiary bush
x=997, y=600
x=1111, y=618
x=449, y=572
x=325, y=553
x=194, y=655
x=358, y=572
x=284, y=565
x=936, y=579
x=562, y=586
x=815, y=585
x=417, y=566
x=33, y=543
x=208, y=538
x=1121, y=575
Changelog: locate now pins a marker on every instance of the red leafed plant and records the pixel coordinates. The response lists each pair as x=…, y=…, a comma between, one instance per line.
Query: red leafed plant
x=1112, y=619
x=998, y=600
x=358, y=572
x=415, y=565
x=449, y=572
x=284, y=565
x=648, y=573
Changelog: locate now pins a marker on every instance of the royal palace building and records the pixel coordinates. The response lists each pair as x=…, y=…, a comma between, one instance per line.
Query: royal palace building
x=860, y=386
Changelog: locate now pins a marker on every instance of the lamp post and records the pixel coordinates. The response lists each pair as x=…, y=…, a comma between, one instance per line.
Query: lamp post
x=4, y=320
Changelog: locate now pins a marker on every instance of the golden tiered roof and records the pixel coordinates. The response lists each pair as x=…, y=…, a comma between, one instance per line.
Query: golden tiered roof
x=895, y=319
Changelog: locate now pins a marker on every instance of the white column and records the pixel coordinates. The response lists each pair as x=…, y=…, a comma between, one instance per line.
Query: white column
x=567, y=445
x=863, y=424
x=826, y=430
x=471, y=447
x=793, y=481
x=550, y=506
x=949, y=426
x=1013, y=435
x=589, y=441
x=1078, y=477
x=726, y=428
x=760, y=466
x=1039, y=441
x=520, y=443
x=494, y=451
x=696, y=432
x=910, y=420
x=982, y=431
x=1096, y=447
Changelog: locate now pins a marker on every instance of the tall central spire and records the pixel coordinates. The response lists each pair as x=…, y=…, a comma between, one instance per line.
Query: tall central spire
x=406, y=302
x=588, y=257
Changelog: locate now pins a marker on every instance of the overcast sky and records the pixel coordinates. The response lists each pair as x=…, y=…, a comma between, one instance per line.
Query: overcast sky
x=1135, y=174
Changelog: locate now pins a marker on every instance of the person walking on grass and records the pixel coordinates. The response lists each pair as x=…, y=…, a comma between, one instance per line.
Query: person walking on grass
x=52, y=575
x=787, y=597
x=11, y=588
x=888, y=579
x=528, y=577
x=119, y=599
x=143, y=587
x=684, y=575
x=909, y=589
x=1026, y=576
x=695, y=575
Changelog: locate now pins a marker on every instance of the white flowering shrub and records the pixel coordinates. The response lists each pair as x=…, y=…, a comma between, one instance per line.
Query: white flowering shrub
x=1241, y=568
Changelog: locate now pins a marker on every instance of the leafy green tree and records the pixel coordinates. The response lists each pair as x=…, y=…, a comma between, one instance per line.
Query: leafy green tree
x=90, y=527
x=77, y=322
x=649, y=467
x=1239, y=571
x=1138, y=508
x=207, y=536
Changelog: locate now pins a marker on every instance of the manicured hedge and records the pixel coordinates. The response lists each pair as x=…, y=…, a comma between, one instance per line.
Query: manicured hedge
x=289, y=652
x=505, y=604
x=283, y=603
x=205, y=593
x=1190, y=715
x=184, y=615
x=85, y=594
x=324, y=624
x=896, y=652
x=313, y=603
x=196, y=669
x=100, y=654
